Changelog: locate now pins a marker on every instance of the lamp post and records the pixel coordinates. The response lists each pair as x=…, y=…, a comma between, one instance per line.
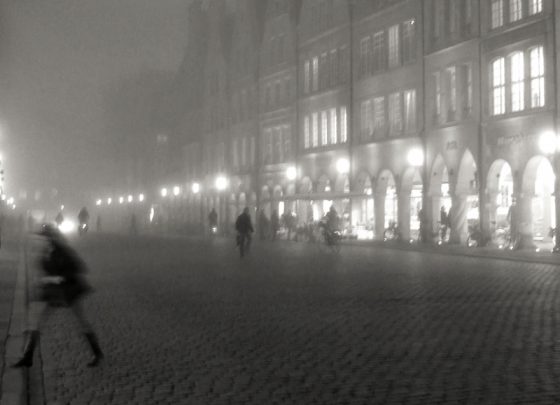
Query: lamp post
x=549, y=144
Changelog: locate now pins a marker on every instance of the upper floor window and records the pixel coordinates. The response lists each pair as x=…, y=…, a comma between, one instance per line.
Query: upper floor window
x=334, y=126
x=395, y=114
x=366, y=120
x=315, y=130
x=333, y=61
x=306, y=74
x=410, y=110
x=438, y=17
x=379, y=51
x=365, y=56
x=394, y=51
x=497, y=13
x=452, y=91
x=315, y=74
x=498, y=87
x=517, y=81
x=408, y=41
x=324, y=128
x=306, y=131
x=515, y=10
x=438, y=93
x=535, y=6
x=343, y=125
x=378, y=115
x=537, y=76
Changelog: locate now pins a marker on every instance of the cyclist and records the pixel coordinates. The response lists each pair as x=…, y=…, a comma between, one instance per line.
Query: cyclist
x=244, y=228
x=331, y=225
x=512, y=219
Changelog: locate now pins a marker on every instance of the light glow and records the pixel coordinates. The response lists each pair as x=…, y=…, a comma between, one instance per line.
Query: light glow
x=548, y=142
x=415, y=157
x=221, y=183
x=163, y=192
x=109, y=201
x=67, y=226
x=195, y=188
x=141, y=197
x=121, y=200
x=130, y=198
x=176, y=190
x=343, y=165
x=98, y=202
x=291, y=173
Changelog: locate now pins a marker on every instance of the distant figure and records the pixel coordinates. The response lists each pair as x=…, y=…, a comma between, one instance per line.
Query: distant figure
x=63, y=284
x=263, y=225
x=212, y=220
x=512, y=219
x=244, y=228
x=59, y=219
x=133, y=225
x=83, y=220
x=274, y=224
x=289, y=220
x=444, y=221
x=332, y=220
x=98, y=224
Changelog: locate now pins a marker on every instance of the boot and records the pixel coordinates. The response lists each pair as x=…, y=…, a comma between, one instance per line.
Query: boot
x=27, y=359
x=94, y=344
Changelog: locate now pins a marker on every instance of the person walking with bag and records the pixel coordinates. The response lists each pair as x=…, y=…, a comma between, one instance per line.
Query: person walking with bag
x=63, y=285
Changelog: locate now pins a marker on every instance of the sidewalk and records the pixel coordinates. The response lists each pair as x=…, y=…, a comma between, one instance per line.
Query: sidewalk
x=12, y=318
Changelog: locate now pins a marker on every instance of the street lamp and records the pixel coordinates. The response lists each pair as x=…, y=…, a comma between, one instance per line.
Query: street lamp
x=195, y=188
x=549, y=144
x=176, y=190
x=121, y=200
x=163, y=192
x=141, y=197
x=98, y=202
x=291, y=173
x=415, y=157
x=109, y=201
x=221, y=183
x=130, y=198
x=343, y=165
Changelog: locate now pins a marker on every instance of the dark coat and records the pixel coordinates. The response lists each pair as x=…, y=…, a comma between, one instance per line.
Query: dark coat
x=61, y=261
x=243, y=224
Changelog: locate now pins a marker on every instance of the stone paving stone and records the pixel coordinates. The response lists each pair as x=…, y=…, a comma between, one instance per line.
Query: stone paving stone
x=183, y=322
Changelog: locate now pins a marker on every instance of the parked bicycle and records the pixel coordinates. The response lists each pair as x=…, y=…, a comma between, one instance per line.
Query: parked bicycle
x=392, y=232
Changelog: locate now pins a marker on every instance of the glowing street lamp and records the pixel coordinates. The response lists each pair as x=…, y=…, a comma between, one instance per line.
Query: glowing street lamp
x=415, y=157
x=221, y=183
x=130, y=198
x=141, y=197
x=163, y=192
x=176, y=190
x=195, y=188
x=291, y=173
x=343, y=165
x=109, y=201
x=549, y=142
x=121, y=200
x=98, y=202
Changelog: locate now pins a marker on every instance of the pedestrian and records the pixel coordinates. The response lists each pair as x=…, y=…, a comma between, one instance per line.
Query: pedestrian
x=213, y=221
x=263, y=225
x=98, y=224
x=444, y=221
x=274, y=224
x=62, y=284
x=244, y=228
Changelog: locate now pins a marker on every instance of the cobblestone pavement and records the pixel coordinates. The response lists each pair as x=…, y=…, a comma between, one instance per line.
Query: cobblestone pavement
x=188, y=322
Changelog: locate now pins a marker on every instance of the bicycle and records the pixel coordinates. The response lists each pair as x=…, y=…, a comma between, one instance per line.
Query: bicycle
x=331, y=240
x=243, y=243
x=392, y=232
x=503, y=238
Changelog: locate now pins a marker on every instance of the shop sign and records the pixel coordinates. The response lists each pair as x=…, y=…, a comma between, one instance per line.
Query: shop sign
x=508, y=140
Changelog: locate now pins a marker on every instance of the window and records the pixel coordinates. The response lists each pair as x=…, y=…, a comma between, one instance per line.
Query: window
x=535, y=6
x=452, y=91
x=324, y=128
x=343, y=68
x=438, y=17
x=498, y=87
x=306, y=140
x=515, y=11
x=537, y=76
x=334, y=67
x=243, y=151
x=343, y=125
x=378, y=51
x=438, y=93
x=379, y=115
x=235, y=156
x=497, y=13
x=366, y=127
x=334, y=126
x=315, y=73
x=323, y=71
x=410, y=110
x=365, y=44
x=253, y=150
x=315, y=123
x=452, y=18
x=395, y=114
x=306, y=77
x=394, y=59
x=517, y=82
x=326, y=70
x=466, y=89
x=408, y=41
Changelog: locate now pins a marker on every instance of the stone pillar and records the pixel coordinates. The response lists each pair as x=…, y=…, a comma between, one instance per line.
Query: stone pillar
x=458, y=219
x=379, y=208
x=404, y=215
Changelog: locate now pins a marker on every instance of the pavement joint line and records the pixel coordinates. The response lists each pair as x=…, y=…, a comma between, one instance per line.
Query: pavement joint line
x=14, y=386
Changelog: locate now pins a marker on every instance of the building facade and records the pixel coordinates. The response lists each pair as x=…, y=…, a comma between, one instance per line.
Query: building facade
x=394, y=112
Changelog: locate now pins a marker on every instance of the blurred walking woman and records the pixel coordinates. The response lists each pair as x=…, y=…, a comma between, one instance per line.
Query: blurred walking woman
x=62, y=285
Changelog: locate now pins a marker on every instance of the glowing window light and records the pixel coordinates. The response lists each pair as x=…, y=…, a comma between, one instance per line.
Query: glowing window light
x=343, y=165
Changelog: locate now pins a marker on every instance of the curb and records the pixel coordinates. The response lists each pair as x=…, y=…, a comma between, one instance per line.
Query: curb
x=14, y=385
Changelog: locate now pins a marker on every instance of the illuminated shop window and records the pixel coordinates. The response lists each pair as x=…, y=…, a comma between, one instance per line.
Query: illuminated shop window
x=517, y=82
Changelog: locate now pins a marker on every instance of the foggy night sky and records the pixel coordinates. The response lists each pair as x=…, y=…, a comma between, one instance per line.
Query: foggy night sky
x=57, y=58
